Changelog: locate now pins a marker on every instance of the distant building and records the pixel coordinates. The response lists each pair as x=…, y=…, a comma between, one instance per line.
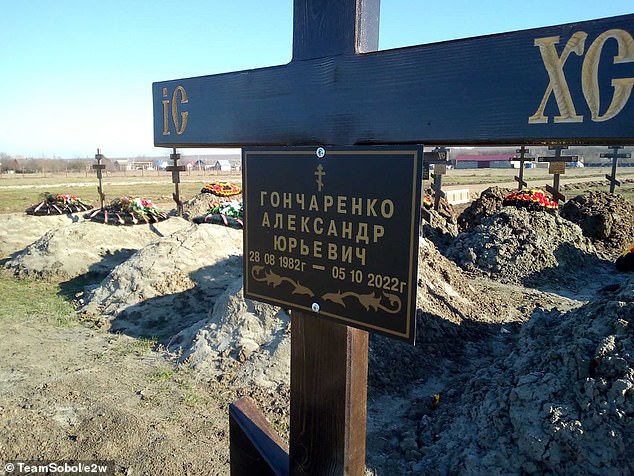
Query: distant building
x=498, y=161
x=222, y=165
x=122, y=165
x=196, y=165
x=142, y=165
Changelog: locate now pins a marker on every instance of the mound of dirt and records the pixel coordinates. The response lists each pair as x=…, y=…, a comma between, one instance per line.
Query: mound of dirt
x=198, y=205
x=77, y=248
x=488, y=204
x=607, y=219
x=442, y=230
x=169, y=284
x=243, y=342
x=520, y=246
x=18, y=230
x=562, y=402
x=453, y=308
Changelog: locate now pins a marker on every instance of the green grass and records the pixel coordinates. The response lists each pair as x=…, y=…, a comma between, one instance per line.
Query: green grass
x=31, y=299
x=138, y=346
x=162, y=374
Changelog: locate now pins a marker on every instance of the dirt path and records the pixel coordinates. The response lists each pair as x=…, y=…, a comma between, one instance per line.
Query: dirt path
x=81, y=394
x=77, y=393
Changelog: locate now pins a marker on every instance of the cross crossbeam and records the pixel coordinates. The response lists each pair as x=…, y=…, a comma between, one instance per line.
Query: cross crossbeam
x=510, y=88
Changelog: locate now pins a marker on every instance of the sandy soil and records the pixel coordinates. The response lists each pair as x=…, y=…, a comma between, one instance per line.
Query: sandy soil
x=515, y=371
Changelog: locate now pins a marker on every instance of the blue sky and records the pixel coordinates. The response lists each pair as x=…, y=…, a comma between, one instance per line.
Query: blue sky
x=77, y=75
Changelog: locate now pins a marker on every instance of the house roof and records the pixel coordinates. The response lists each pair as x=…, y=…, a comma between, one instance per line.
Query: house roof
x=223, y=163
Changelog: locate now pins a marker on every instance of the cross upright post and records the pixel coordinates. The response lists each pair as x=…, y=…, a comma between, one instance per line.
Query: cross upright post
x=522, y=158
x=176, y=170
x=99, y=167
x=614, y=156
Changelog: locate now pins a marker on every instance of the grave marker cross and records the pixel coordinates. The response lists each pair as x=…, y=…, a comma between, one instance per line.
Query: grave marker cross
x=99, y=167
x=522, y=158
x=615, y=156
x=511, y=88
x=176, y=170
x=457, y=92
x=557, y=167
x=439, y=158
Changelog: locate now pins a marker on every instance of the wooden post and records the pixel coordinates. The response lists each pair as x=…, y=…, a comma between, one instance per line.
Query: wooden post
x=615, y=156
x=329, y=375
x=99, y=167
x=176, y=170
x=439, y=157
x=522, y=158
x=254, y=447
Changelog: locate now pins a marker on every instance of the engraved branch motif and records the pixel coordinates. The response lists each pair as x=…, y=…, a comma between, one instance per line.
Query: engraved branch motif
x=258, y=273
x=368, y=301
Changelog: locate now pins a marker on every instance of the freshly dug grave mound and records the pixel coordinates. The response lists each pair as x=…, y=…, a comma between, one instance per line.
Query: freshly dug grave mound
x=243, y=342
x=521, y=246
x=169, y=284
x=225, y=212
x=445, y=209
x=74, y=249
x=562, y=402
x=441, y=231
x=607, y=219
x=58, y=204
x=128, y=211
x=197, y=205
x=488, y=204
x=453, y=309
x=248, y=342
x=18, y=230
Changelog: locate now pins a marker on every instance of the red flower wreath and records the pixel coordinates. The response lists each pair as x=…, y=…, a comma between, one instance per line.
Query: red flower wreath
x=222, y=189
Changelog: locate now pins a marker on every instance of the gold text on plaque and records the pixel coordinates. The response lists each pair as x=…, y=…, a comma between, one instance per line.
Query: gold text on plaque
x=558, y=86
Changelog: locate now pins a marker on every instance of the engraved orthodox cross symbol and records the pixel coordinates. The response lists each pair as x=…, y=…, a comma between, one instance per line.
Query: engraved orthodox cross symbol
x=319, y=173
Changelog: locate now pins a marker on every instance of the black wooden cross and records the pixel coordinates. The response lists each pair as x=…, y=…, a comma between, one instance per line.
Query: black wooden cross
x=99, y=167
x=615, y=156
x=176, y=170
x=557, y=167
x=521, y=159
x=439, y=157
x=512, y=88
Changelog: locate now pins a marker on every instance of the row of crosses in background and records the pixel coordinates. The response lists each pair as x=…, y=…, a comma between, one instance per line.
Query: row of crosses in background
x=439, y=158
x=557, y=166
x=174, y=168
